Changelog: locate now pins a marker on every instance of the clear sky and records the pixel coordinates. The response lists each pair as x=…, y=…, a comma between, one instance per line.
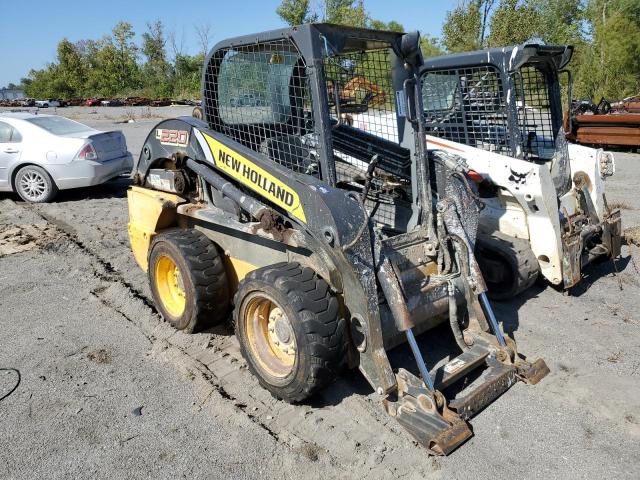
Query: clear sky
x=31, y=29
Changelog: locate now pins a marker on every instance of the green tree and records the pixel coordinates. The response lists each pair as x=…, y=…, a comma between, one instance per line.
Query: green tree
x=39, y=83
x=611, y=67
x=70, y=71
x=64, y=78
x=430, y=46
x=346, y=12
x=465, y=26
x=513, y=22
x=156, y=72
x=122, y=57
x=187, y=75
x=342, y=12
x=560, y=22
x=295, y=12
x=391, y=26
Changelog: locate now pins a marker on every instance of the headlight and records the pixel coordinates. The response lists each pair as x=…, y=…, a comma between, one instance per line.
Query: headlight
x=606, y=163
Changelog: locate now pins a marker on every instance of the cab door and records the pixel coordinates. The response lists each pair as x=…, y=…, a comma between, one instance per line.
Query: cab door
x=10, y=150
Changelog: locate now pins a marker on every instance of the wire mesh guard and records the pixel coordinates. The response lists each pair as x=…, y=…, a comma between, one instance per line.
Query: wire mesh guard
x=534, y=114
x=467, y=105
x=362, y=105
x=258, y=95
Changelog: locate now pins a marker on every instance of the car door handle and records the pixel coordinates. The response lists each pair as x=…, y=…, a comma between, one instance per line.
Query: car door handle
x=11, y=150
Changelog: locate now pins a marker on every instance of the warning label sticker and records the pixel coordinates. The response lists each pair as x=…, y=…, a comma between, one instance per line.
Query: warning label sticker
x=454, y=365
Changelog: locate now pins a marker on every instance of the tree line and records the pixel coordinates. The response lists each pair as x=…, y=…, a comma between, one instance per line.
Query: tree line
x=115, y=66
x=606, y=34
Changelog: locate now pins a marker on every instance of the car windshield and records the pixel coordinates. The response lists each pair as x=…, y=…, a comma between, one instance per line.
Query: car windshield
x=58, y=125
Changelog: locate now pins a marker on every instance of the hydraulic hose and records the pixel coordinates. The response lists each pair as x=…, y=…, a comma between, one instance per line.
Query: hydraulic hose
x=444, y=256
x=255, y=208
x=453, y=317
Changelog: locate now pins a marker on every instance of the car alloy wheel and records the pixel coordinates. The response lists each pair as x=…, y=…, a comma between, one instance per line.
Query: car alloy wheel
x=33, y=185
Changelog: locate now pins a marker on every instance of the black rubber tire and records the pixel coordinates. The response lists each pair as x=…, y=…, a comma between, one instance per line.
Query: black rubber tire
x=203, y=275
x=197, y=113
x=51, y=189
x=313, y=311
x=516, y=257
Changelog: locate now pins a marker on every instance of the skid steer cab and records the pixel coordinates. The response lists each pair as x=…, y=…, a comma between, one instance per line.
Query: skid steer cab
x=329, y=244
x=546, y=211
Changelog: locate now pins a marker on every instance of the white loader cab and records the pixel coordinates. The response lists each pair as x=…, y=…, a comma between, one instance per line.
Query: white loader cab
x=546, y=211
x=545, y=207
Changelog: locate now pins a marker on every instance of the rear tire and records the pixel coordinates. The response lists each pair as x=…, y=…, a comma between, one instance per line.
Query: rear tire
x=290, y=333
x=197, y=113
x=508, y=264
x=35, y=185
x=188, y=280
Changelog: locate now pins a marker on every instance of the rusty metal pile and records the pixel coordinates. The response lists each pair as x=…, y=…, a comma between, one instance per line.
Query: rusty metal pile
x=605, y=124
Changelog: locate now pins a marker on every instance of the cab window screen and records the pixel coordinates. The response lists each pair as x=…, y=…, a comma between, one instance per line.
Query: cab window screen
x=538, y=138
x=253, y=87
x=258, y=95
x=467, y=105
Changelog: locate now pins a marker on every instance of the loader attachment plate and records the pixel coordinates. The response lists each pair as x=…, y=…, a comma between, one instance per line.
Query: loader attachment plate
x=494, y=381
x=425, y=416
x=434, y=432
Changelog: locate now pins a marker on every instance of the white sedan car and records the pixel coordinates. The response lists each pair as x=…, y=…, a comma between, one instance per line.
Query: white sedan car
x=41, y=154
x=47, y=103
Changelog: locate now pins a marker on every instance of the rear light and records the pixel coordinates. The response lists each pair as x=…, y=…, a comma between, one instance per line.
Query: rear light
x=475, y=176
x=88, y=153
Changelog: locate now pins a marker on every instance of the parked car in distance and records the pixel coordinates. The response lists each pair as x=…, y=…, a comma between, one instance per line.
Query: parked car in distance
x=93, y=102
x=27, y=102
x=112, y=102
x=41, y=154
x=47, y=103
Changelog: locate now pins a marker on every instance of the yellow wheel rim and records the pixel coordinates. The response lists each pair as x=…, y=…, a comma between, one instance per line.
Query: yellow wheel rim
x=270, y=335
x=169, y=286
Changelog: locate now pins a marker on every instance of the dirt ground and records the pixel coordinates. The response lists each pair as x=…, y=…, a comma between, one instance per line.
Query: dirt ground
x=108, y=390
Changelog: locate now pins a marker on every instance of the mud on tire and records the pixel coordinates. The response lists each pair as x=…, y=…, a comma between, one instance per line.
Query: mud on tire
x=312, y=311
x=203, y=279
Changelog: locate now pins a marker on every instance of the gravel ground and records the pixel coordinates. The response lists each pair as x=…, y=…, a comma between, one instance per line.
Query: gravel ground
x=78, y=324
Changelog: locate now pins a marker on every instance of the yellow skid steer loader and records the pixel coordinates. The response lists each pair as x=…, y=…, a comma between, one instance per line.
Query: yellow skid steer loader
x=329, y=244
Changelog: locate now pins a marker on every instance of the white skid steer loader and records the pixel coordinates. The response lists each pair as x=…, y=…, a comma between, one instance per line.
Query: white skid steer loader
x=545, y=206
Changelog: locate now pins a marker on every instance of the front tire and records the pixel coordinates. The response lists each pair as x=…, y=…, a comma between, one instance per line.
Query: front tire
x=197, y=113
x=290, y=333
x=188, y=280
x=508, y=265
x=35, y=185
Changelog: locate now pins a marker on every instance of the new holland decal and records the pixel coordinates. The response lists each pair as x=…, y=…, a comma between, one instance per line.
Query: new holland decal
x=256, y=178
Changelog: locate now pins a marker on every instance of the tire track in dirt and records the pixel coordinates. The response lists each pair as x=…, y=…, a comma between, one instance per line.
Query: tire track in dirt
x=343, y=427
